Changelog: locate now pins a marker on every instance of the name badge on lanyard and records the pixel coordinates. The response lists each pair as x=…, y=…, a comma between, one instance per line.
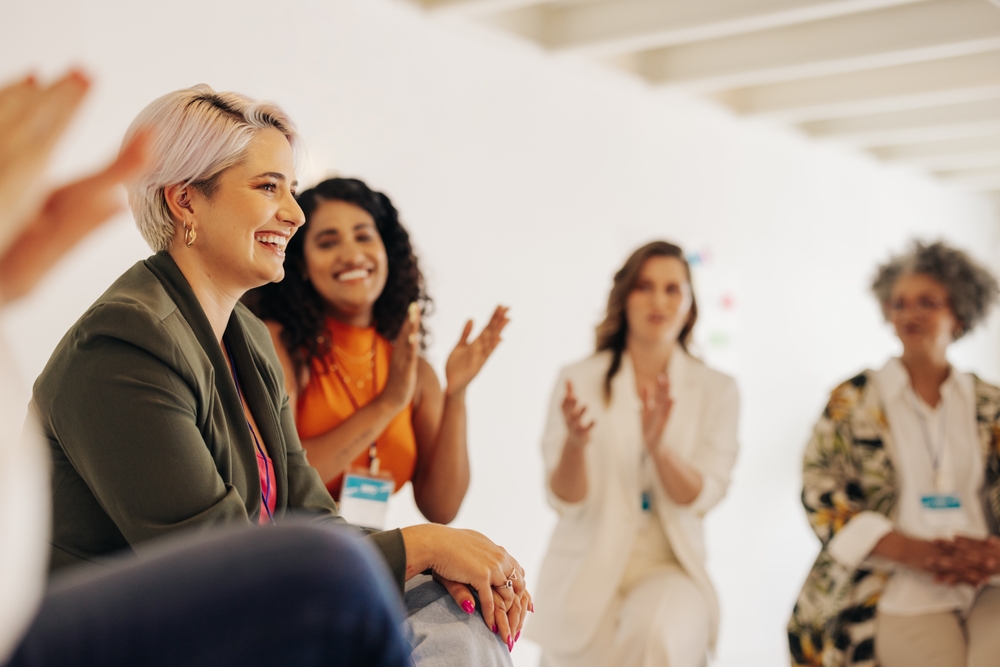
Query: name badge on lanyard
x=942, y=510
x=364, y=499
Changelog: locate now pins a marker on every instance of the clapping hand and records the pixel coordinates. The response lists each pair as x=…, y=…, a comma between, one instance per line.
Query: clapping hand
x=32, y=118
x=467, y=359
x=401, y=382
x=578, y=433
x=656, y=407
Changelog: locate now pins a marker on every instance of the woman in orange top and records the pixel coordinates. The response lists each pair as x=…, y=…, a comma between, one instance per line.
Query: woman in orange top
x=352, y=285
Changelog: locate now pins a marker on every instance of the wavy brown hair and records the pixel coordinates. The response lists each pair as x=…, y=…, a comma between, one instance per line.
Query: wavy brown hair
x=300, y=310
x=612, y=332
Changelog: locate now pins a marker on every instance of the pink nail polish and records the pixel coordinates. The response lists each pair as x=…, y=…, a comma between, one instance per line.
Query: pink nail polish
x=494, y=628
x=531, y=607
x=468, y=606
x=510, y=643
x=517, y=636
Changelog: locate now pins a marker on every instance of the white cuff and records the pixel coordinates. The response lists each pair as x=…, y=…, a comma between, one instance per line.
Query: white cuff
x=854, y=542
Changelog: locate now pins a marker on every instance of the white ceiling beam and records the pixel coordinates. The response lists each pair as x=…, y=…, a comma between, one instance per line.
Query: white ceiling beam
x=951, y=121
x=613, y=27
x=475, y=7
x=938, y=148
x=910, y=33
x=974, y=180
x=935, y=83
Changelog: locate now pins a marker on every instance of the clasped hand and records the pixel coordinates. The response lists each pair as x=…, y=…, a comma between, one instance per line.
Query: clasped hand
x=963, y=560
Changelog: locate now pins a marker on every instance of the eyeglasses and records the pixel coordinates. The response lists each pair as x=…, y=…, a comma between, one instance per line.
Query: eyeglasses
x=924, y=305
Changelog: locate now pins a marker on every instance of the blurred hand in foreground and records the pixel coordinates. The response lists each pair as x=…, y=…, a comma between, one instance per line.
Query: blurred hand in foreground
x=32, y=118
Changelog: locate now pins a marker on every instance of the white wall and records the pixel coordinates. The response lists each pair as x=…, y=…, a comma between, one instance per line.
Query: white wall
x=526, y=181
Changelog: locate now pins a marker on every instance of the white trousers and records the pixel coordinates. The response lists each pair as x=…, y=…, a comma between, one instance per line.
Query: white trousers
x=945, y=639
x=660, y=621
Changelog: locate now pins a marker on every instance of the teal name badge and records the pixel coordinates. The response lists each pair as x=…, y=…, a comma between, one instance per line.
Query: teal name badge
x=942, y=510
x=365, y=500
x=941, y=501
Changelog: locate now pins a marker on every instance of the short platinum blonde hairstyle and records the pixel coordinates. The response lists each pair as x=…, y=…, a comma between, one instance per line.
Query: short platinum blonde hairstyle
x=197, y=134
x=972, y=289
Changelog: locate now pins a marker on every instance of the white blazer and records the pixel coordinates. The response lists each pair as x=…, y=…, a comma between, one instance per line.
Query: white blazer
x=591, y=545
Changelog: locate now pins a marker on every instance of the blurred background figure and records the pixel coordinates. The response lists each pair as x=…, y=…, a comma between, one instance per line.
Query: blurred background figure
x=901, y=482
x=639, y=446
x=364, y=397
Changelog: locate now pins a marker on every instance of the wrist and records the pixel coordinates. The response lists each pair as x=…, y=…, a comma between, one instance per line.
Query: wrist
x=419, y=542
x=455, y=393
x=389, y=404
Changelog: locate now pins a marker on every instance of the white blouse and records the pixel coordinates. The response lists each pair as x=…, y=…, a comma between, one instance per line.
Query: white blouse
x=936, y=455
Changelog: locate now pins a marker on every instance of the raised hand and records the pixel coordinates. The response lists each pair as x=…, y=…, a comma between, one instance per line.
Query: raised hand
x=656, y=407
x=68, y=214
x=467, y=359
x=402, y=379
x=32, y=119
x=578, y=433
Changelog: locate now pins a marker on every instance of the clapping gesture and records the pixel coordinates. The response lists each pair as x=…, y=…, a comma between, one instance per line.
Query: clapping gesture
x=32, y=118
x=578, y=432
x=467, y=359
x=656, y=407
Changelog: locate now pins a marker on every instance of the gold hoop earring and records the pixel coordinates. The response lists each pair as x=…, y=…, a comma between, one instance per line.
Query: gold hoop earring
x=189, y=235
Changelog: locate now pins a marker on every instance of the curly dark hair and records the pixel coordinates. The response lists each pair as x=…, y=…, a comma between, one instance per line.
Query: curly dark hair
x=972, y=289
x=612, y=332
x=300, y=310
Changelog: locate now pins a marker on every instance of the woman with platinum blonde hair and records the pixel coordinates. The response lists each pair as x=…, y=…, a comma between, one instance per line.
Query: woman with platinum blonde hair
x=164, y=405
x=901, y=483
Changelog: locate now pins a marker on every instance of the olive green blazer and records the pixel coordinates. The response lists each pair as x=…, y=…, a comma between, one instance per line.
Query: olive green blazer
x=146, y=430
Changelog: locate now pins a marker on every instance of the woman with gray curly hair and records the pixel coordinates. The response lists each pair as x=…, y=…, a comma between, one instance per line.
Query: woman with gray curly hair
x=901, y=482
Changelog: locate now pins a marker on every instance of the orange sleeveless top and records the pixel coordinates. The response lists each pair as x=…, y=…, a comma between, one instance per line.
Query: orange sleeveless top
x=324, y=404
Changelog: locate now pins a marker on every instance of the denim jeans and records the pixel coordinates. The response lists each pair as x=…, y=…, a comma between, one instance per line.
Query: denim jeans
x=295, y=595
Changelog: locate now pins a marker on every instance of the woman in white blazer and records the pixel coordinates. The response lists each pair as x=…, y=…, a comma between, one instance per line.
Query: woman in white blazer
x=639, y=445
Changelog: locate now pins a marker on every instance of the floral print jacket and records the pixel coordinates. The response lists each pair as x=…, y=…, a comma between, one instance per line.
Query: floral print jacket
x=848, y=469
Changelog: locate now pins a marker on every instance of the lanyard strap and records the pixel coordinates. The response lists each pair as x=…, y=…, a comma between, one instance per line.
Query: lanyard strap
x=265, y=492
x=934, y=451
x=373, y=460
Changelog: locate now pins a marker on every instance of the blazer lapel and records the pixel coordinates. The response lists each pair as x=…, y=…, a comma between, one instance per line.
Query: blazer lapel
x=625, y=412
x=258, y=399
x=241, y=445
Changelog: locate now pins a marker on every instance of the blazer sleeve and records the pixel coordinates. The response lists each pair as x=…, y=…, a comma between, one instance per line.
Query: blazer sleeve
x=128, y=423
x=715, y=454
x=836, y=505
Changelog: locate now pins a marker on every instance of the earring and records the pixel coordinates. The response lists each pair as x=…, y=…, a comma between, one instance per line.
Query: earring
x=189, y=235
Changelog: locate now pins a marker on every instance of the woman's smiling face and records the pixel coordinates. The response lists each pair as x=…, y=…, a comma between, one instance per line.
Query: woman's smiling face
x=245, y=221
x=345, y=260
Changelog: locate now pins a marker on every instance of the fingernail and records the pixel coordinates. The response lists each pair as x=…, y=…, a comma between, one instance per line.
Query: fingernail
x=531, y=607
x=517, y=636
x=468, y=606
x=494, y=628
x=510, y=643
